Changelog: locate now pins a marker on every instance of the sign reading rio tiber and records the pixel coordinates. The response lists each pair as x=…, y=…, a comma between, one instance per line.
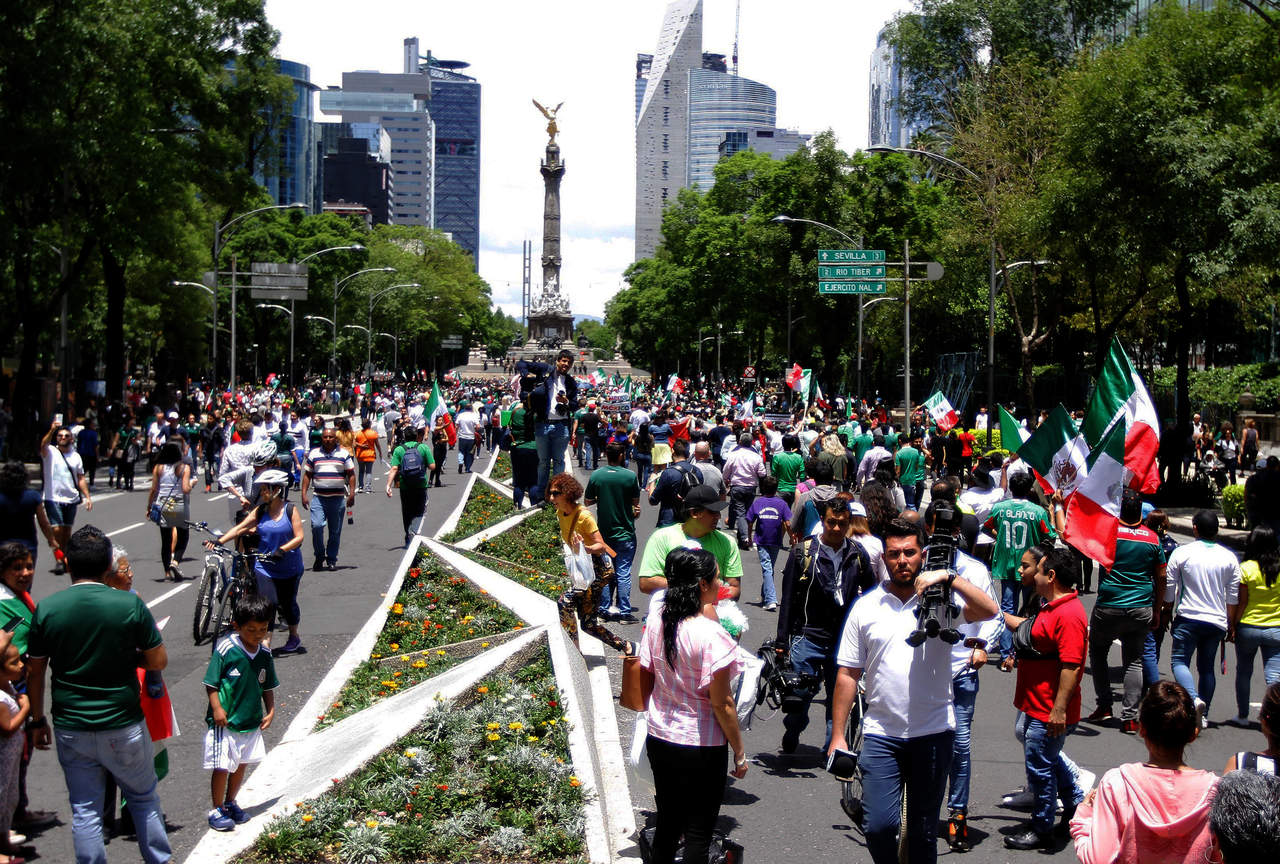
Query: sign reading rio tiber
x=851, y=271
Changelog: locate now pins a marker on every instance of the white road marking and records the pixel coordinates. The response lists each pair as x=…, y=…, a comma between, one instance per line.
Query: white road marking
x=125, y=528
x=166, y=595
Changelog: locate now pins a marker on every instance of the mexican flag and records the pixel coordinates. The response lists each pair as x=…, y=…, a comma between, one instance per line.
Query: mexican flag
x=1057, y=452
x=1093, y=513
x=674, y=384
x=944, y=416
x=802, y=384
x=1012, y=435
x=747, y=408
x=819, y=400
x=435, y=408
x=1121, y=399
x=794, y=375
x=597, y=378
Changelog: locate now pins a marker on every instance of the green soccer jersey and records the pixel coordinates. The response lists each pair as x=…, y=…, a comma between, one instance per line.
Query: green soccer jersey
x=662, y=541
x=614, y=488
x=1017, y=525
x=910, y=463
x=428, y=462
x=240, y=679
x=1130, y=583
x=789, y=469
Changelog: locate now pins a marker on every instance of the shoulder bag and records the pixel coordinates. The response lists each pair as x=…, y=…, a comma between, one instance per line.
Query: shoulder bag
x=637, y=684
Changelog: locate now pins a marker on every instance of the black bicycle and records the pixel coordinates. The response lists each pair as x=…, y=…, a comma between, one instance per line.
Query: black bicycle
x=219, y=592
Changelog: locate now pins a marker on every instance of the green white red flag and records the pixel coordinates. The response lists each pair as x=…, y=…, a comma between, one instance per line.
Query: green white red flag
x=1012, y=435
x=1058, y=453
x=1121, y=399
x=1093, y=512
x=939, y=408
x=435, y=408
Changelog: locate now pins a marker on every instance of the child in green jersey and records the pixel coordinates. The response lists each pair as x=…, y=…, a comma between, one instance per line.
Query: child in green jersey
x=240, y=682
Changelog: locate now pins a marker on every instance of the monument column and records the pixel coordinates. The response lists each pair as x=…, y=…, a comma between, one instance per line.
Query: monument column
x=552, y=172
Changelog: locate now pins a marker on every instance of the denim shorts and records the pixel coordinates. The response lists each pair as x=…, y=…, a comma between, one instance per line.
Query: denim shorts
x=60, y=514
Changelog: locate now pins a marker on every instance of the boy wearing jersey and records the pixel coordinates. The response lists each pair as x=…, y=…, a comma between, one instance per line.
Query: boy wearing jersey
x=241, y=681
x=1017, y=524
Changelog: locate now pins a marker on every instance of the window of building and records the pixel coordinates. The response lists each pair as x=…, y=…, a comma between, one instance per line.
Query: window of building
x=664, y=193
x=666, y=142
x=666, y=87
x=665, y=168
x=666, y=115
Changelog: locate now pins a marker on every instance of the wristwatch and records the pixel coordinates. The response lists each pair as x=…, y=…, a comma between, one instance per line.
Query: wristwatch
x=36, y=723
x=740, y=763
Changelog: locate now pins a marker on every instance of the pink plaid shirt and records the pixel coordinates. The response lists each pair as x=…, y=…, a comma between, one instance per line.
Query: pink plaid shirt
x=680, y=706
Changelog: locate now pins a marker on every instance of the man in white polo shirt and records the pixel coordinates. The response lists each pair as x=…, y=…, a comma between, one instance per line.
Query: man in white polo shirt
x=910, y=719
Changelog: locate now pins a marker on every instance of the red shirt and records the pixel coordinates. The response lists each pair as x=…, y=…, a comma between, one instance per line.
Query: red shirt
x=1063, y=626
x=967, y=439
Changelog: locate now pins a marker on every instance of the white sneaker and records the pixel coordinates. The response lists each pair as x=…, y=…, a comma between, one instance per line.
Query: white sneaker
x=1202, y=713
x=771, y=607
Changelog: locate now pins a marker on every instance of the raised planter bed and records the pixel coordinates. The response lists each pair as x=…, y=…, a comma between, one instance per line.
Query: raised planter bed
x=530, y=554
x=485, y=506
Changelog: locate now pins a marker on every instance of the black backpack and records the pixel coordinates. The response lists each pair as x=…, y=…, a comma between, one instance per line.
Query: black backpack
x=412, y=466
x=687, y=482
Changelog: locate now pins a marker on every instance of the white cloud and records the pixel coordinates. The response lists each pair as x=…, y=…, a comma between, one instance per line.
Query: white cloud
x=815, y=53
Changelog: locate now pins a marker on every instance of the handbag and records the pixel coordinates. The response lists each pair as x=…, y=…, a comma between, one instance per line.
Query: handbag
x=154, y=513
x=637, y=684
x=1024, y=648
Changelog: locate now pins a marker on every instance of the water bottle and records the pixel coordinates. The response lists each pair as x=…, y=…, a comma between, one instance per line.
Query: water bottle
x=351, y=515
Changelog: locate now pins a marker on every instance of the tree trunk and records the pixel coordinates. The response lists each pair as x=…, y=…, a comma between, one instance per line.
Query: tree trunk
x=1182, y=342
x=1028, y=385
x=113, y=276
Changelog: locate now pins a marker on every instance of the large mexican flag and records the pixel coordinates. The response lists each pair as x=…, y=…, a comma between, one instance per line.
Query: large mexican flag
x=1121, y=399
x=1058, y=453
x=1093, y=513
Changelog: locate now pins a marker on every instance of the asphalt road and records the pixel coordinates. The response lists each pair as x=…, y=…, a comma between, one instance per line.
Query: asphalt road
x=335, y=604
x=786, y=809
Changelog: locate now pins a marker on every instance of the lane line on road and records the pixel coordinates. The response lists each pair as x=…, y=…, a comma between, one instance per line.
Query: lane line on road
x=166, y=595
x=125, y=528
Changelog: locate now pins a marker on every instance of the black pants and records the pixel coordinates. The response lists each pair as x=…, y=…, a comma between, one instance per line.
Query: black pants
x=689, y=786
x=438, y=452
x=179, y=551
x=287, y=600
x=413, y=506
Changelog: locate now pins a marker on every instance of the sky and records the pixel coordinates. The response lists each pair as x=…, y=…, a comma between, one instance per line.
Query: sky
x=815, y=53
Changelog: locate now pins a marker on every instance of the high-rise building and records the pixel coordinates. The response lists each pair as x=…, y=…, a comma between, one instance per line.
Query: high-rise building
x=399, y=103
x=889, y=126
x=718, y=103
x=455, y=108
x=291, y=177
x=662, y=123
x=644, y=62
x=356, y=161
x=775, y=143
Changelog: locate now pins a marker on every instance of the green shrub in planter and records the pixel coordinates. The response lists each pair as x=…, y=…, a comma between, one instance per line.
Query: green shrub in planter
x=1233, y=505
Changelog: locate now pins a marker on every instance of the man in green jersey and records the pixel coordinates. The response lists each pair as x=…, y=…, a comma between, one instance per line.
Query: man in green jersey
x=240, y=682
x=413, y=469
x=909, y=461
x=616, y=491
x=702, y=508
x=1017, y=524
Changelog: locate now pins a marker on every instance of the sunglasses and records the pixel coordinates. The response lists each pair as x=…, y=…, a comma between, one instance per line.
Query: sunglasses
x=554, y=494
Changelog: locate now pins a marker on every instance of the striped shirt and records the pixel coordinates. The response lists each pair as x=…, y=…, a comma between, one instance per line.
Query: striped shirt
x=329, y=470
x=680, y=706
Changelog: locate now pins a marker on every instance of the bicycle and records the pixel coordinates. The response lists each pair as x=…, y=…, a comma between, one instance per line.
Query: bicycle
x=218, y=591
x=851, y=787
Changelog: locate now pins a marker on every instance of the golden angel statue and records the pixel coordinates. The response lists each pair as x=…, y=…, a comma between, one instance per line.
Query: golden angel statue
x=550, y=114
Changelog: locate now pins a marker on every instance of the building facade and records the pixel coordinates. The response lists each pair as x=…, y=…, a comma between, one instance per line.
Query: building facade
x=455, y=108
x=720, y=103
x=356, y=162
x=775, y=143
x=290, y=177
x=662, y=150
x=888, y=126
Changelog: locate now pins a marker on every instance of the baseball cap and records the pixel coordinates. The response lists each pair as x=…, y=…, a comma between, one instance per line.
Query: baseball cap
x=704, y=498
x=173, y=415
x=856, y=509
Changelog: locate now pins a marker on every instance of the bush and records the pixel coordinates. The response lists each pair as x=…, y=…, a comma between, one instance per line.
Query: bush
x=1233, y=505
x=1223, y=386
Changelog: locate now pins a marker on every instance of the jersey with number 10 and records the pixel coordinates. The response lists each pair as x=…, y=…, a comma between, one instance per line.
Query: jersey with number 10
x=1018, y=525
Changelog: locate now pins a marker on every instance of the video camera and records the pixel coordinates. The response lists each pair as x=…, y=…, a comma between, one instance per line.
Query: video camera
x=780, y=685
x=937, y=613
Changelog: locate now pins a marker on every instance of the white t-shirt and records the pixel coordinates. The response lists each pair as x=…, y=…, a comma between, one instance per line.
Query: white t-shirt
x=908, y=689
x=875, y=551
x=60, y=476
x=466, y=423
x=639, y=416
x=975, y=573
x=1204, y=578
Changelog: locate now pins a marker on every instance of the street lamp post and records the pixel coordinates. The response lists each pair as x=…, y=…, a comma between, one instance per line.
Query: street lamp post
x=373, y=299
x=368, y=334
x=395, y=356
x=213, y=322
x=354, y=247
x=288, y=312
x=720, y=336
x=219, y=236
x=701, y=339
x=328, y=321
x=338, y=286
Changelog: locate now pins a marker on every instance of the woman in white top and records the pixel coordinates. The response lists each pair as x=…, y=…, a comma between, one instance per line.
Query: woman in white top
x=171, y=482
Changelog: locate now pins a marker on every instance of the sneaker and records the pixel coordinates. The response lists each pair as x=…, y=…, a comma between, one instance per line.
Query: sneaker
x=771, y=607
x=1027, y=839
x=1202, y=713
x=318, y=566
x=219, y=821
x=16, y=839
x=1099, y=715
x=958, y=833
x=291, y=646
x=232, y=810
x=613, y=612
x=1129, y=727
x=34, y=819
x=1023, y=799
x=1239, y=722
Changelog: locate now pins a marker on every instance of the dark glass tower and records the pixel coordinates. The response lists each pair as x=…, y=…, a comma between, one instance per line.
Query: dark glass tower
x=455, y=108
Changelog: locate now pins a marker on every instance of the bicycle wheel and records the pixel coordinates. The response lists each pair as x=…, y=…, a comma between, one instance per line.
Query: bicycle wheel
x=226, y=609
x=206, y=599
x=851, y=793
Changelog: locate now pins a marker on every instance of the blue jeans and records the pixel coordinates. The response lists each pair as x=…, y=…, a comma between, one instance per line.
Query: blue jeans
x=1012, y=594
x=87, y=756
x=327, y=510
x=965, y=687
x=644, y=467
x=1249, y=639
x=466, y=453
x=1202, y=639
x=768, y=558
x=921, y=765
x=1049, y=775
x=552, y=439
x=811, y=659
x=624, y=554
x=1151, y=658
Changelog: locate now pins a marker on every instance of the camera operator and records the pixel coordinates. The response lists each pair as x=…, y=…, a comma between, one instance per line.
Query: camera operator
x=909, y=725
x=823, y=577
x=943, y=521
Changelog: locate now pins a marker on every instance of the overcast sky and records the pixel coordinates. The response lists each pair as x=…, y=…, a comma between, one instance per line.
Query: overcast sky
x=815, y=53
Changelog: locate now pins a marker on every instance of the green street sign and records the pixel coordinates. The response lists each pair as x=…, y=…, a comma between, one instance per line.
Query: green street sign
x=851, y=271
x=851, y=287
x=851, y=256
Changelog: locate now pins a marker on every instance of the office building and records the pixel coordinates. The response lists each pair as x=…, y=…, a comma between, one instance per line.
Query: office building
x=719, y=103
x=290, y=176
x=455, y=108
x=888, y=125
x=775, y=143
x=356, y=168
x=662, y=123
x=644, y=62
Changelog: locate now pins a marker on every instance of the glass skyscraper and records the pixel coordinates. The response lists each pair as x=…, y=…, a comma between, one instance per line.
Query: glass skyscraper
x=720, y=102
x=291, y=178
x=455, y=107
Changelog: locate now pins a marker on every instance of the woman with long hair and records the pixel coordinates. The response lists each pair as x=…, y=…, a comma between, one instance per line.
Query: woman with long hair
x=22, y=511
x=880, y=507
x=693, y=723
x=1257, y=624
x=1266, y=761
x=171, y=484
x=1157, y=810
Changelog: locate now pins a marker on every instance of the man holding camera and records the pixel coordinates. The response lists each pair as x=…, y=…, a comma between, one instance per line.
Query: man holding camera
x=910, y=721
x=554, y=401
x=823, y=577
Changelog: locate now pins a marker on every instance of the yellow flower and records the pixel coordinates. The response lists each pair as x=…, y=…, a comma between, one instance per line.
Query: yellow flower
x=388, y=683
x=492, y=726
x=515, y=727
x=533, y=739
x=420, y=664
x=485, y=645
x=405, y=658
x=308, y=817
x=440, y=652
x=397, y=608
x=395, y=646
x=482, y=689
x=492, y=736
x=574, y=781
x=371, y=823
x=375, y=656
x=552, y=721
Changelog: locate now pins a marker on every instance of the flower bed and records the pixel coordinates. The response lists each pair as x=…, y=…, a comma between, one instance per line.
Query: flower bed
x=485, y=506
x=501, y=467
x=435, y=609
x=488, y=778
x=530, y=553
